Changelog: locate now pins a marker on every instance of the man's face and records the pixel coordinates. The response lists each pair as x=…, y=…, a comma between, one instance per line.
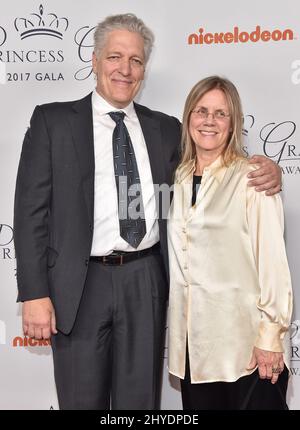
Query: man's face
x=120, y=67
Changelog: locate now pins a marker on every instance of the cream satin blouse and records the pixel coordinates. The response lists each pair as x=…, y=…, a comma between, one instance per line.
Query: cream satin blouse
x=230, y=285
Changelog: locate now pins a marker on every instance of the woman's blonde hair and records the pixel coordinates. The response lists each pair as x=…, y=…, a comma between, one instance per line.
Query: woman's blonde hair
x=234, y=148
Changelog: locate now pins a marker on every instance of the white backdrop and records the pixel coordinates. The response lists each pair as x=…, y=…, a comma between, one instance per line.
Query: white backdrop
x=45, y=52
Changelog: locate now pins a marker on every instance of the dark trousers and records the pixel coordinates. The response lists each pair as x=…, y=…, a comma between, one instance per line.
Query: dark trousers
x=247, y=393
x=113, y=356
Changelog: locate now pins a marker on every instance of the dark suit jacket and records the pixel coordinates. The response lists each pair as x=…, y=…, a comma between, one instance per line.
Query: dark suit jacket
x=54, y=200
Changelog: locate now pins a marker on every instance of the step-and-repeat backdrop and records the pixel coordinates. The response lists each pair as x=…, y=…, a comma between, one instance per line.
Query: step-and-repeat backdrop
x=45, y=56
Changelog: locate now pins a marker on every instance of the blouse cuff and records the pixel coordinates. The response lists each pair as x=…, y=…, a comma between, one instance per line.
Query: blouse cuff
x=269, y=336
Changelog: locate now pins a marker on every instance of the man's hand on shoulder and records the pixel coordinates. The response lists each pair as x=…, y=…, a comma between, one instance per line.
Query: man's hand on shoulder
x=39, y=318
x=267, y=177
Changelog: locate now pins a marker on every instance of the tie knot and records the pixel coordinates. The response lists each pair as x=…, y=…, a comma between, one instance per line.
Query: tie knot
x=117, y=116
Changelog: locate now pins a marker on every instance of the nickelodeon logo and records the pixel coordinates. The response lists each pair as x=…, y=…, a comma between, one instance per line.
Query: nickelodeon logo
x=28, y=341
x=237, y=36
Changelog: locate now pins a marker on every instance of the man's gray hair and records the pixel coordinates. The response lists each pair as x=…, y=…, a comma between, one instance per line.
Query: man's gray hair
x=127, y=21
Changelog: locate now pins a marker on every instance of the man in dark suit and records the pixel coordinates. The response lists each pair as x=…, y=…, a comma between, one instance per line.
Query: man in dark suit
x=92, y=279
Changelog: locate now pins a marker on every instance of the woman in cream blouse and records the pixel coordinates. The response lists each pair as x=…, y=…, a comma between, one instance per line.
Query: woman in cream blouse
x=230, y=293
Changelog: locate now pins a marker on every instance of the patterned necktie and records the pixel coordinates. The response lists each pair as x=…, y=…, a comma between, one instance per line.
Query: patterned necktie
x=131, y=209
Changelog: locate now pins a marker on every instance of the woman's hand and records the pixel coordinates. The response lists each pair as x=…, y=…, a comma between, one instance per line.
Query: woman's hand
x=270, y=364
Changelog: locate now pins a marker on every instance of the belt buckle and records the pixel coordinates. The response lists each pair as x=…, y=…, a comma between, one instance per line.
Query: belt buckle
x=119, y=260
x=105, y=260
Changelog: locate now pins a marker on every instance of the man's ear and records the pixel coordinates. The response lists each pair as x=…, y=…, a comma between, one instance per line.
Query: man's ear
x=94, y=63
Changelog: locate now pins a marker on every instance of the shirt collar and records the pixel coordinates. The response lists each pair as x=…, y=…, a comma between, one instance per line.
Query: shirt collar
x=102, y=107
x=215, y=169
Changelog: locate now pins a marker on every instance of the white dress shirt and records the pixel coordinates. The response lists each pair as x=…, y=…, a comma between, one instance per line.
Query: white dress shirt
x=106, y=236
x=230, y=285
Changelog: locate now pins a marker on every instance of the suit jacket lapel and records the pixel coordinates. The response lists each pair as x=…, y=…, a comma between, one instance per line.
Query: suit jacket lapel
x=81, y=121
x=152, y=134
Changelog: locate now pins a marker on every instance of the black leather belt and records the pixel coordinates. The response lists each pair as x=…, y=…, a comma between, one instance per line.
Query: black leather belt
x=117, y=258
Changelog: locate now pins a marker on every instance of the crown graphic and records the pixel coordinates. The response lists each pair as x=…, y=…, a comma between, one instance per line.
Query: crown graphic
x=41, y=24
